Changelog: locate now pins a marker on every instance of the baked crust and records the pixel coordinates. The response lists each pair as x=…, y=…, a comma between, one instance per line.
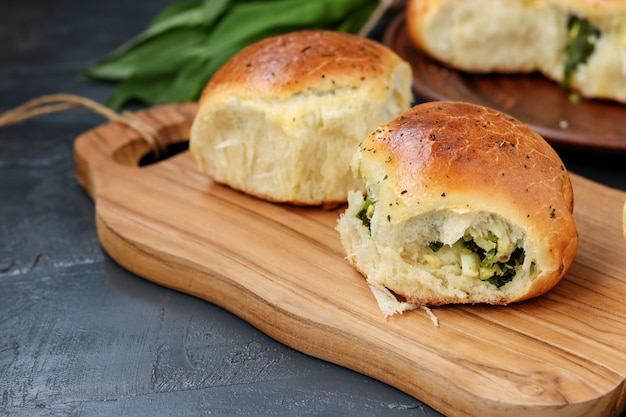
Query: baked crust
x=451, y=160
x=302, y=62
x=281, y=119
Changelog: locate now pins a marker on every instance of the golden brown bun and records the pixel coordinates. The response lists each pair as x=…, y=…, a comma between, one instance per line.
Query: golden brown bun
x=445, y=170
x=282, y=118
x=521, y=36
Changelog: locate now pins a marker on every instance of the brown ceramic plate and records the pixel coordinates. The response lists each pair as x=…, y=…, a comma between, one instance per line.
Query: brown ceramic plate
x=532, y=99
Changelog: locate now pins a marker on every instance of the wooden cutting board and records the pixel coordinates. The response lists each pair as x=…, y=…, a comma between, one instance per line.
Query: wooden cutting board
x=282, y=269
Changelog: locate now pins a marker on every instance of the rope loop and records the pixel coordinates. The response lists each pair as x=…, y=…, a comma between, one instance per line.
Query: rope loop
x=54, y=103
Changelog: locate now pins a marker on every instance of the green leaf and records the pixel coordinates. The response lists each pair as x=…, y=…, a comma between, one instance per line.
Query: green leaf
x=172, y=11
x=185, y=17
x=178, y=15
x=213, y=9
x=355, y=20
x=247, y=19
x=163, y=55
x=146, y=90
x=191, y=80
x=188, y=82
x=176, y=55
x=185, y=85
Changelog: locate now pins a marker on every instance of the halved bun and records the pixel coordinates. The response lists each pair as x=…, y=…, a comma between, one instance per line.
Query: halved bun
x=448, y=182
x=282, y=118
x=520, y=36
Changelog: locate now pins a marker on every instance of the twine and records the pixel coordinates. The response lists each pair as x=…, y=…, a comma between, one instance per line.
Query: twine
x=381, y=9
x=60, y=102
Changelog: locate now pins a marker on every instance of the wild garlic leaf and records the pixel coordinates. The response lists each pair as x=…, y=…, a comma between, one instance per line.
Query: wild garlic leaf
x=178, y=15
x=171, y=11
x=176, y=55
x=140, y=89
x=247, y=19
x=164, y=55
x=187, y=85
x=357, y=18
x=213, y=9
x=182, y=17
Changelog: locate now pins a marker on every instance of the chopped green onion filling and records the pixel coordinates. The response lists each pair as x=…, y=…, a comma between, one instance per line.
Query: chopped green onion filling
x=492, y=270
x=484, y=257
x=581, y=42
x=366, y=213
x=435, y=246
x=500, y=280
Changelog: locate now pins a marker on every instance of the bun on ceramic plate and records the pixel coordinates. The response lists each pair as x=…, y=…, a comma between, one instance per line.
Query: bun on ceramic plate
x=282, y=118
x=580, y=44
x=464, y=205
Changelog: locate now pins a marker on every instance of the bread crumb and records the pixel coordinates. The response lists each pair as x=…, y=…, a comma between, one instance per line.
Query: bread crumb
x=389, y=305
x=432, y=315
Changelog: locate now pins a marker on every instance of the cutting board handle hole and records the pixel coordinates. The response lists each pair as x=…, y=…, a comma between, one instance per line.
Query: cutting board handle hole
x=171, y=150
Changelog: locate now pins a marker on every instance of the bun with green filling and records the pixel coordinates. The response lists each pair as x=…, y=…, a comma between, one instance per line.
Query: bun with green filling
x=581, y=44
x=464, y=205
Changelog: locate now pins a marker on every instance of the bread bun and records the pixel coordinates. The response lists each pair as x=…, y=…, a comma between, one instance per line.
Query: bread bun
x=451, y=183
x=282, y=118
x=520, y=36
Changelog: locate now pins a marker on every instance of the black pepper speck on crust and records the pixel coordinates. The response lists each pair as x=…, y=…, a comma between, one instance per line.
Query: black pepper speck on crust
x=434, y=143
x=447, y=159
x=317, y=58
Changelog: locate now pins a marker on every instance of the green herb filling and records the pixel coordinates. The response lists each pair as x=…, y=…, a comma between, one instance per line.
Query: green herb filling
x=486, y=264
x=366, y=213
x=581, y=42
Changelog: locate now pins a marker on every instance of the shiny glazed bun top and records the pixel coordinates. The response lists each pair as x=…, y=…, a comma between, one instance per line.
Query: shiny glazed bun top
x=439, y=149
x=464, y=204
x=282, y=118
x=305, y=62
